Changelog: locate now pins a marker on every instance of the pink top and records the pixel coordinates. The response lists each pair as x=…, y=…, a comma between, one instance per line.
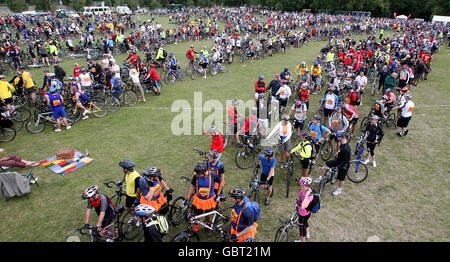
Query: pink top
x=301, y=197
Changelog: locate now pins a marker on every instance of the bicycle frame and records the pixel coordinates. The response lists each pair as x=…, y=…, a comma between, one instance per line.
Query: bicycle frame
x=196, y=219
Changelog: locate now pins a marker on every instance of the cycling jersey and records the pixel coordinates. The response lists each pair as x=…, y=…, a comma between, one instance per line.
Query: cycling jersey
x=330, y=101
x=102, y=204
x=130, y=180
x=267, y=165
x=350, y=111
x=316, y=130
x=56, y=102
x=241, y=218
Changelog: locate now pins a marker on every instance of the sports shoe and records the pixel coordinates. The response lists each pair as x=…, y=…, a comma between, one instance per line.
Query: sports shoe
x=366, y=161
x=58, y=130
x=85, y=112
x=374, y=164
x=307, y=235
x=266, y=202
x=282, y=165
x=68, y=127
x=337, y=192
x=297, y=240
x=85, y=117
x=271, y=194
x=318, y=179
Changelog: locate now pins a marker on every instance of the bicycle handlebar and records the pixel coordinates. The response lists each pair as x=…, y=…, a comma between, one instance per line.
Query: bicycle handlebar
x=199, y=151
x=187, y=179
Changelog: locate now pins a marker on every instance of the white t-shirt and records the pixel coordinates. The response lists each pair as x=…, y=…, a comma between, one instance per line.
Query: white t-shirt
x=116, y=69
x=361, y=80
x=85, y=79
x=299, y=112
x=284, y=92
x=407, y=109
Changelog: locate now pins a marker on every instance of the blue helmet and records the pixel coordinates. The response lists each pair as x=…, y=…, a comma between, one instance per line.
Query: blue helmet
x=261, y=77
x=171, y=54
x=52, y=89
x=127, y=164
x=269, y=152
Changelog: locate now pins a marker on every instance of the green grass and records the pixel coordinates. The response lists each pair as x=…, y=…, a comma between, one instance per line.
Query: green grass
x=404, y=199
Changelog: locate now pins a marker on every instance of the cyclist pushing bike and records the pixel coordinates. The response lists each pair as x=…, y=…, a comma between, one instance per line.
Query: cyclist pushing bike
x=79, y=96
x=243, y=220
x=150, y=185
x=305, y=148
x=131, y=178
x=146, y=214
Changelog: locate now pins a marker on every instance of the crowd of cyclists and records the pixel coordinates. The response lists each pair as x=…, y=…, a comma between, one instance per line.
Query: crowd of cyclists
x=342, y=73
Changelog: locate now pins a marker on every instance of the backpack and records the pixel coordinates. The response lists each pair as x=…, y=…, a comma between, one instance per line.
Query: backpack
x=162, y=224
x=256, y=210
x=164, y=53
x=314, y=205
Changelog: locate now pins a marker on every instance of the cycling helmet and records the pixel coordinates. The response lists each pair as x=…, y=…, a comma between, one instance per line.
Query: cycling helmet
x=52, y=89
x=261, y=95
x=408, y=96
x=214, y=154
x=2, y=76
x=212, y=129
x=71, y=78
x=338, y=108
x=286, y=68
x=254, y=110
x=305, y=134
x=285, y=117
x=305, y=181
x=237, y=193
x=201, y=167
x=83, y=69
x=375, y=117
x=51, y=75
x=171, y=54
x=89, y=192
x=316, y=63
x=306, y=70
x=317, y=117
x=144, y=210
x=268, y=152
x=127, y=164
x=261, y=77
x=303, y=63
x=151, y=172
x=384, y=97
x=235, y=102
x=298, y=103
x=339, y=135
x=388, y=90
x=152, y=66
x=404, y=89
x=277, y=75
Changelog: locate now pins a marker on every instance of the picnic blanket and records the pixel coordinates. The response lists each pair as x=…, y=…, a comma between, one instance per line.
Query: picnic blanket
x=63, y=167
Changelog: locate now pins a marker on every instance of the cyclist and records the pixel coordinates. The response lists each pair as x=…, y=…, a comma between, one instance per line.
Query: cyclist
x=251, y=125
x=341, y=162
x=315, y=128
x=300, y=110
x=303, y=94
x=150, y=190
x=260, y=86
x=55, y=103
x=103, y=207
x=304, y=199
x=286, y=75
x=379, y=107
x=283, y=93
x=190, y=55
x=217, y=140
x=274, y=86
x=160, y=58
x=268, y=163
x=373, y=135
x=153, y=78
x=131, y=178
x=263, y=114
x=203, y=62
x=301, y=71
x=284, y=130
x=316, y=72
x=85, y=79
x=329, y=102
x=233, y=117
x=361, y=79
x=217, y=168
x=305, y=148
x=6, y=91
x=174, y=65
x=79, y=96
x=28, y=83
x=351, y=114
x=202, y=190
x=406, y=114
x=338, y=124
x=117, y=88
x=146, y=214
x=243, y=225
x=390, y=82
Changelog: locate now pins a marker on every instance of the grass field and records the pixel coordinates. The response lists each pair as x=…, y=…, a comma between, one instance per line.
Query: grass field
x=406, y=198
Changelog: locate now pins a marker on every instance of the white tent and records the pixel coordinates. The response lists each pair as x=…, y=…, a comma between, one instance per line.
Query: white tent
x=441, y=18
x=402, y=17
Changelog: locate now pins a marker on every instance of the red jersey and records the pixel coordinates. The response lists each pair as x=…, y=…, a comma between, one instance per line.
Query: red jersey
x=190, y=54
x=350, y=112
x=232, y=115
x=154, y=74
x=217, y=143
x=303, y=95
x=76, y=71
x=260, y=86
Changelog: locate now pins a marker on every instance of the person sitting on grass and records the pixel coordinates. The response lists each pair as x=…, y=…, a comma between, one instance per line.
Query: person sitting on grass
x=12, y=160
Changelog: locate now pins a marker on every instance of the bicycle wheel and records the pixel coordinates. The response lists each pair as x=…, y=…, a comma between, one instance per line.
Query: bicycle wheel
x=225, y=141
x=373, y=87
x=245, y=157
x=390, y=121
x=168, y=77
x=289, y=174
x=111, y=104
x=357, y=171
x=24, y=113
x=130, y=98
x=185, y=236
x=17, y=121
x=35, y=125
x=72, y=115
x=176, y=211
x=224, y=222
x=282, y=234
x=182, y=75
x=130, y=230
x=364, y=123
x=192, y=73
x=326, y=150
x=7, y=134
x=322, y=184
x=99, y=109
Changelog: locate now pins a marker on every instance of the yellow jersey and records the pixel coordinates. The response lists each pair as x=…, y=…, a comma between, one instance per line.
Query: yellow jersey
x=26, y=76
x=6, y=90
x=130, y=181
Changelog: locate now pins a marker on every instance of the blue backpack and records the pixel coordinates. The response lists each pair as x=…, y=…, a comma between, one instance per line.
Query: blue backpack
x=314, y=206
x=256, y=210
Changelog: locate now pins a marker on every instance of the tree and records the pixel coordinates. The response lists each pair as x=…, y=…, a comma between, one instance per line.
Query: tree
x=42, y=5
x=154, y=4
x=17, y=6
x=78, y=5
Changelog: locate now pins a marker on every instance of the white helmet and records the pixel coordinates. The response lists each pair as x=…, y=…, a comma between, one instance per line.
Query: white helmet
x=305, y=181
x=144, y=210
x=90, y=192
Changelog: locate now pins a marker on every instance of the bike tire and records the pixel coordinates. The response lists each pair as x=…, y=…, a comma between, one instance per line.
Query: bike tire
x=192, y=73
x=225, y=141
x=390, y=121
x=322, y=185
x=282, y=234
x=129, y=231
x=364, y=124
x=357, y=171
x=7, y=134
x=185, y=236
x=33, y=126
x=289, y=174
x=245, y=158
x=111, y=105
x=167, y=77
x=176, y=211
x=224, y=222
x=373, y=87
x=326, y=150
x=131, y=98
x=100, y=109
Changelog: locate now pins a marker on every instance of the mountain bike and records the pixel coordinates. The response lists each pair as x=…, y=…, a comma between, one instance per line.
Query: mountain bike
x=290, y=171
x=174, y=75
x=358, y=171
x=282, y=234
x=255, y=186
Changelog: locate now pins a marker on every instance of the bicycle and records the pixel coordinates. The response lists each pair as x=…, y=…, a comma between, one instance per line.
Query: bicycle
x=203, y=155
x=289, y=173
x=174, y=75
x=245, y=157
x=255, y=186
x=36, y=124
x=219, y=225
x=98, y=109
x=282, y=234
x=388, y=120
x=128, y=227
x=6, y=133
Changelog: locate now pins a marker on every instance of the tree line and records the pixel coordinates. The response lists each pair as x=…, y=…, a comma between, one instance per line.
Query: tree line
x=378, y=8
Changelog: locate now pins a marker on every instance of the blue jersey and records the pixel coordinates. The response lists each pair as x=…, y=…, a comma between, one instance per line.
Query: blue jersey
x=267, y=164
x=316, y=130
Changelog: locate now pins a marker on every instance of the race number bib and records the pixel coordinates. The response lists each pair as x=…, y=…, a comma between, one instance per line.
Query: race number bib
x=56, y=102
x=204, y=192
x=335, y=122
x=329, y=101
x=314, y=134
x=410, y=109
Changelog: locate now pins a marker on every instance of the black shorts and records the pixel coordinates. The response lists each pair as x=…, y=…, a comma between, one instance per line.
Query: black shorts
x=299, y=124
x=204, y=65
x=305, y=163
x=129, y=201
x=283, y=102
x=354, y=120
x=8, y=101
x=29, y=90
x=44, y=55
x=403, y=121
x=327, y=112
x=107, y=220
x=342, y=172
x=264, y=178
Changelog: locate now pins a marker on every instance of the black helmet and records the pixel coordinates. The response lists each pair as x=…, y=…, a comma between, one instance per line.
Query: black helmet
x=305, y=134
x=151, y=172
x=127, y=164
x=268, y=152
x=201, y=167
x=237, y=193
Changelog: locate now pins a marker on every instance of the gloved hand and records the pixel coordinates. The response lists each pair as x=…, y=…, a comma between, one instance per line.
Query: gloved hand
x=218, y=199
x=186, y=202
x=119, y=183
x=170, y=191
x=136, y=202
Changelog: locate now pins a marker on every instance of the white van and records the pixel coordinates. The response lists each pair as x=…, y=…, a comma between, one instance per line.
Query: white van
x=123, y=10
x=97, y=10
